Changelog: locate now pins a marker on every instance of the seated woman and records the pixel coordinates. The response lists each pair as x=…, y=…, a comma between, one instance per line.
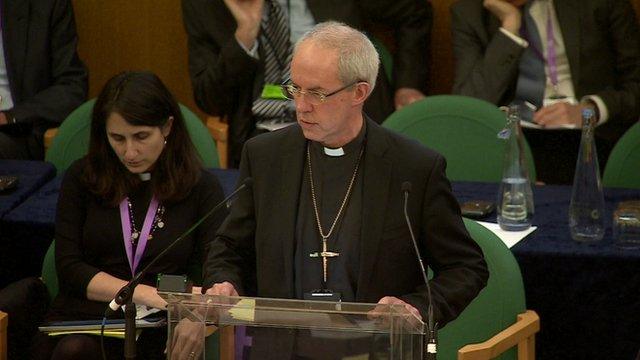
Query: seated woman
x=140, y=186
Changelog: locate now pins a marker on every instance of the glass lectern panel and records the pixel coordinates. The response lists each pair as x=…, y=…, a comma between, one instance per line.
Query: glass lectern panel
x=262, y=328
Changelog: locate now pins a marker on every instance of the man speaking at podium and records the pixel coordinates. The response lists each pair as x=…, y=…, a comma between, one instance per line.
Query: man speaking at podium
x=324, y=217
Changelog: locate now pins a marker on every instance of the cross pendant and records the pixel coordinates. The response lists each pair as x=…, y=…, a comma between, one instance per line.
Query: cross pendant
x=325, y=255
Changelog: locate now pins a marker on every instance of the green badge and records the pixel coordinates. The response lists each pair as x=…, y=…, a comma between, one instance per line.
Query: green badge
x=272, y=91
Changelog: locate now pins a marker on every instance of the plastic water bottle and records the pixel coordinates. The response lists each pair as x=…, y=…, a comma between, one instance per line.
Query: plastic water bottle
x=515, y=199
x=586, y=211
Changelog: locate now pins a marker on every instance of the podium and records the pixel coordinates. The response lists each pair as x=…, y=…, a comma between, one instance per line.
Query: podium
x=262, y=328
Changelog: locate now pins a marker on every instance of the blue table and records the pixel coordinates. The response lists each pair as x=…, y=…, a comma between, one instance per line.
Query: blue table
x=587, y=295
x=31, y=175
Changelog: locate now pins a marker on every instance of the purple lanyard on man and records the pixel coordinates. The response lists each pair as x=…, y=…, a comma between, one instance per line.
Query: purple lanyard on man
x=551, y=50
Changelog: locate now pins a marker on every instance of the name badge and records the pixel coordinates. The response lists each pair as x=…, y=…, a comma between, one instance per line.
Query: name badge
x=272, y=91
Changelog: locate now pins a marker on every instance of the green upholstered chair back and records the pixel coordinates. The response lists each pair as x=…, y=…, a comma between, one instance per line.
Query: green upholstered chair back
x=72, y=140
x=623, y=166
x=49, y=275
x=464, y=130
x=497, y=305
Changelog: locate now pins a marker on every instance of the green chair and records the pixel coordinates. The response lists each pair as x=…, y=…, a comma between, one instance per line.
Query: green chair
x=497, y=319
x=623, y=166
x=464, y=130
x=71, y=140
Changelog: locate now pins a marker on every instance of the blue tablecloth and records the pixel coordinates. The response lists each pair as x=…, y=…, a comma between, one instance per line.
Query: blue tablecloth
x=31, y=175
x=586, y=295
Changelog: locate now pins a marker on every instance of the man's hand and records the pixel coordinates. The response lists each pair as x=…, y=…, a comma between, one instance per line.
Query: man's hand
x=507, y=12
x=248, y=15
x=3, y=119
x=392, y=300
x=406, y=96
x=560, y=114
x=224, y=289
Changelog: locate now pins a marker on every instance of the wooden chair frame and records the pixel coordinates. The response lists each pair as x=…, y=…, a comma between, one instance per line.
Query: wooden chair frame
x=522, y=334
x=4, y=322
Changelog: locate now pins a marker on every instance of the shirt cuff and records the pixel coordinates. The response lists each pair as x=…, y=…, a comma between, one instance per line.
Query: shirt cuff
x=517, y=39
x=603, y=113
x=253, y=52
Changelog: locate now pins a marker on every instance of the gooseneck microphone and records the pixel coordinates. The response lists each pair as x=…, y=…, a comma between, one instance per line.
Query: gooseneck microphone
x=125, y=294
x=431, y=338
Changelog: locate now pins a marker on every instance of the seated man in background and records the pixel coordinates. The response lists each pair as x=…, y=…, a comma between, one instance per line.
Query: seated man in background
x=334, y=183
x=41, y=77
x=555, y=57
x=240, y=50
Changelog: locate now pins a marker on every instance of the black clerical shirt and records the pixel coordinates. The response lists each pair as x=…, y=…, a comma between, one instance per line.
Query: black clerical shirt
x=331, y=176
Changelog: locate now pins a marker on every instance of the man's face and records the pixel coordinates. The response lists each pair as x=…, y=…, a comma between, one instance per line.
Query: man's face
x=315, y=68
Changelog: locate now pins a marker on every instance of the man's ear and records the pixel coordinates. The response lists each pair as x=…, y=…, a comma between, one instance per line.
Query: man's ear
x=361, y=92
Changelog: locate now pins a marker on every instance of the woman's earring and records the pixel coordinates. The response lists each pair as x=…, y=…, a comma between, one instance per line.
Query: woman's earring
x=165, y=141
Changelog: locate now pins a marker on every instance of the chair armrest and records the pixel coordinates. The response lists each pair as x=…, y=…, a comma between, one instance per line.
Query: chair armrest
x=48, y=137
x=521, y=333
x=4, y=322
x=219, y=130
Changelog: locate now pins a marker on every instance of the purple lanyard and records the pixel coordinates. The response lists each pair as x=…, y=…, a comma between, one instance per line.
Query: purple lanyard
x=551, y=50
x=125, y=219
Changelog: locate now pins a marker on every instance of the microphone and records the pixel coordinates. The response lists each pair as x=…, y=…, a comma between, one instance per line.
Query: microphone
x=431, y=343
x=126, y=292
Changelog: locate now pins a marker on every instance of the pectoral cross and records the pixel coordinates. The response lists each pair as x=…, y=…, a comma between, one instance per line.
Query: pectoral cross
x=325, y=255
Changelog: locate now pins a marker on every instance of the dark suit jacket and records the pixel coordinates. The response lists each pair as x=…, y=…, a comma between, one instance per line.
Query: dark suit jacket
x=46, y=77
x=602, y=41
x=254, y=248
x=226, y=80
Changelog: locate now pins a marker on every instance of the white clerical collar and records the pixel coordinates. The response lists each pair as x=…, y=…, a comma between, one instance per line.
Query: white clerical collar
x=333, y=152
x=145, y=176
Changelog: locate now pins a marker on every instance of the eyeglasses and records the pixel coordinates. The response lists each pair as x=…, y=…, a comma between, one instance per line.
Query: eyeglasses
x=314, y=97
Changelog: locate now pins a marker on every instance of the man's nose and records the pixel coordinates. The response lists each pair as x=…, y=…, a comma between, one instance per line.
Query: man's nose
x=302, y=105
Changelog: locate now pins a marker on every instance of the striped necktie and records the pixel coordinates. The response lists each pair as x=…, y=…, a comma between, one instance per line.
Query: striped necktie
x=274, y=39
x=531, y=76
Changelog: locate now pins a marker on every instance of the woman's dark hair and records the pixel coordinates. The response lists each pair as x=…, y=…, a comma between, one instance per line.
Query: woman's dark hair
x=141, y=99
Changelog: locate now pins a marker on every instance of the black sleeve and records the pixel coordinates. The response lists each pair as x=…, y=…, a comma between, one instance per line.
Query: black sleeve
x=210, y=194
x=73, y=272
x=460, y=271
x=623, y=99
x=412, y=22
x=232, y=254
x=483, y=71
x=68, y=88
x=218, y=66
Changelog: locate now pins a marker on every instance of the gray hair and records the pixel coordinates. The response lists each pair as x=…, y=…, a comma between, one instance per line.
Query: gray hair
x=358, y=59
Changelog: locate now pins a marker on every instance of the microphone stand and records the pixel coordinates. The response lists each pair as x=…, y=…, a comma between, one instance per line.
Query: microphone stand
x=130, y=329
x=430, y=337
x=125, y=294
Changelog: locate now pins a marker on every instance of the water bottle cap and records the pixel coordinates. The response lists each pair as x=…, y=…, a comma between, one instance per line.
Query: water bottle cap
x=588, y=113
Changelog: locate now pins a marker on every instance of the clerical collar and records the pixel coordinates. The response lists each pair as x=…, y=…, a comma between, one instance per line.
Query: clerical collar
x=145, y=176
x=353, y=145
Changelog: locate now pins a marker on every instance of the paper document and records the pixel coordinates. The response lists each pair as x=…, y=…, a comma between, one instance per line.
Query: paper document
x=510, y=238
x=532, y=125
